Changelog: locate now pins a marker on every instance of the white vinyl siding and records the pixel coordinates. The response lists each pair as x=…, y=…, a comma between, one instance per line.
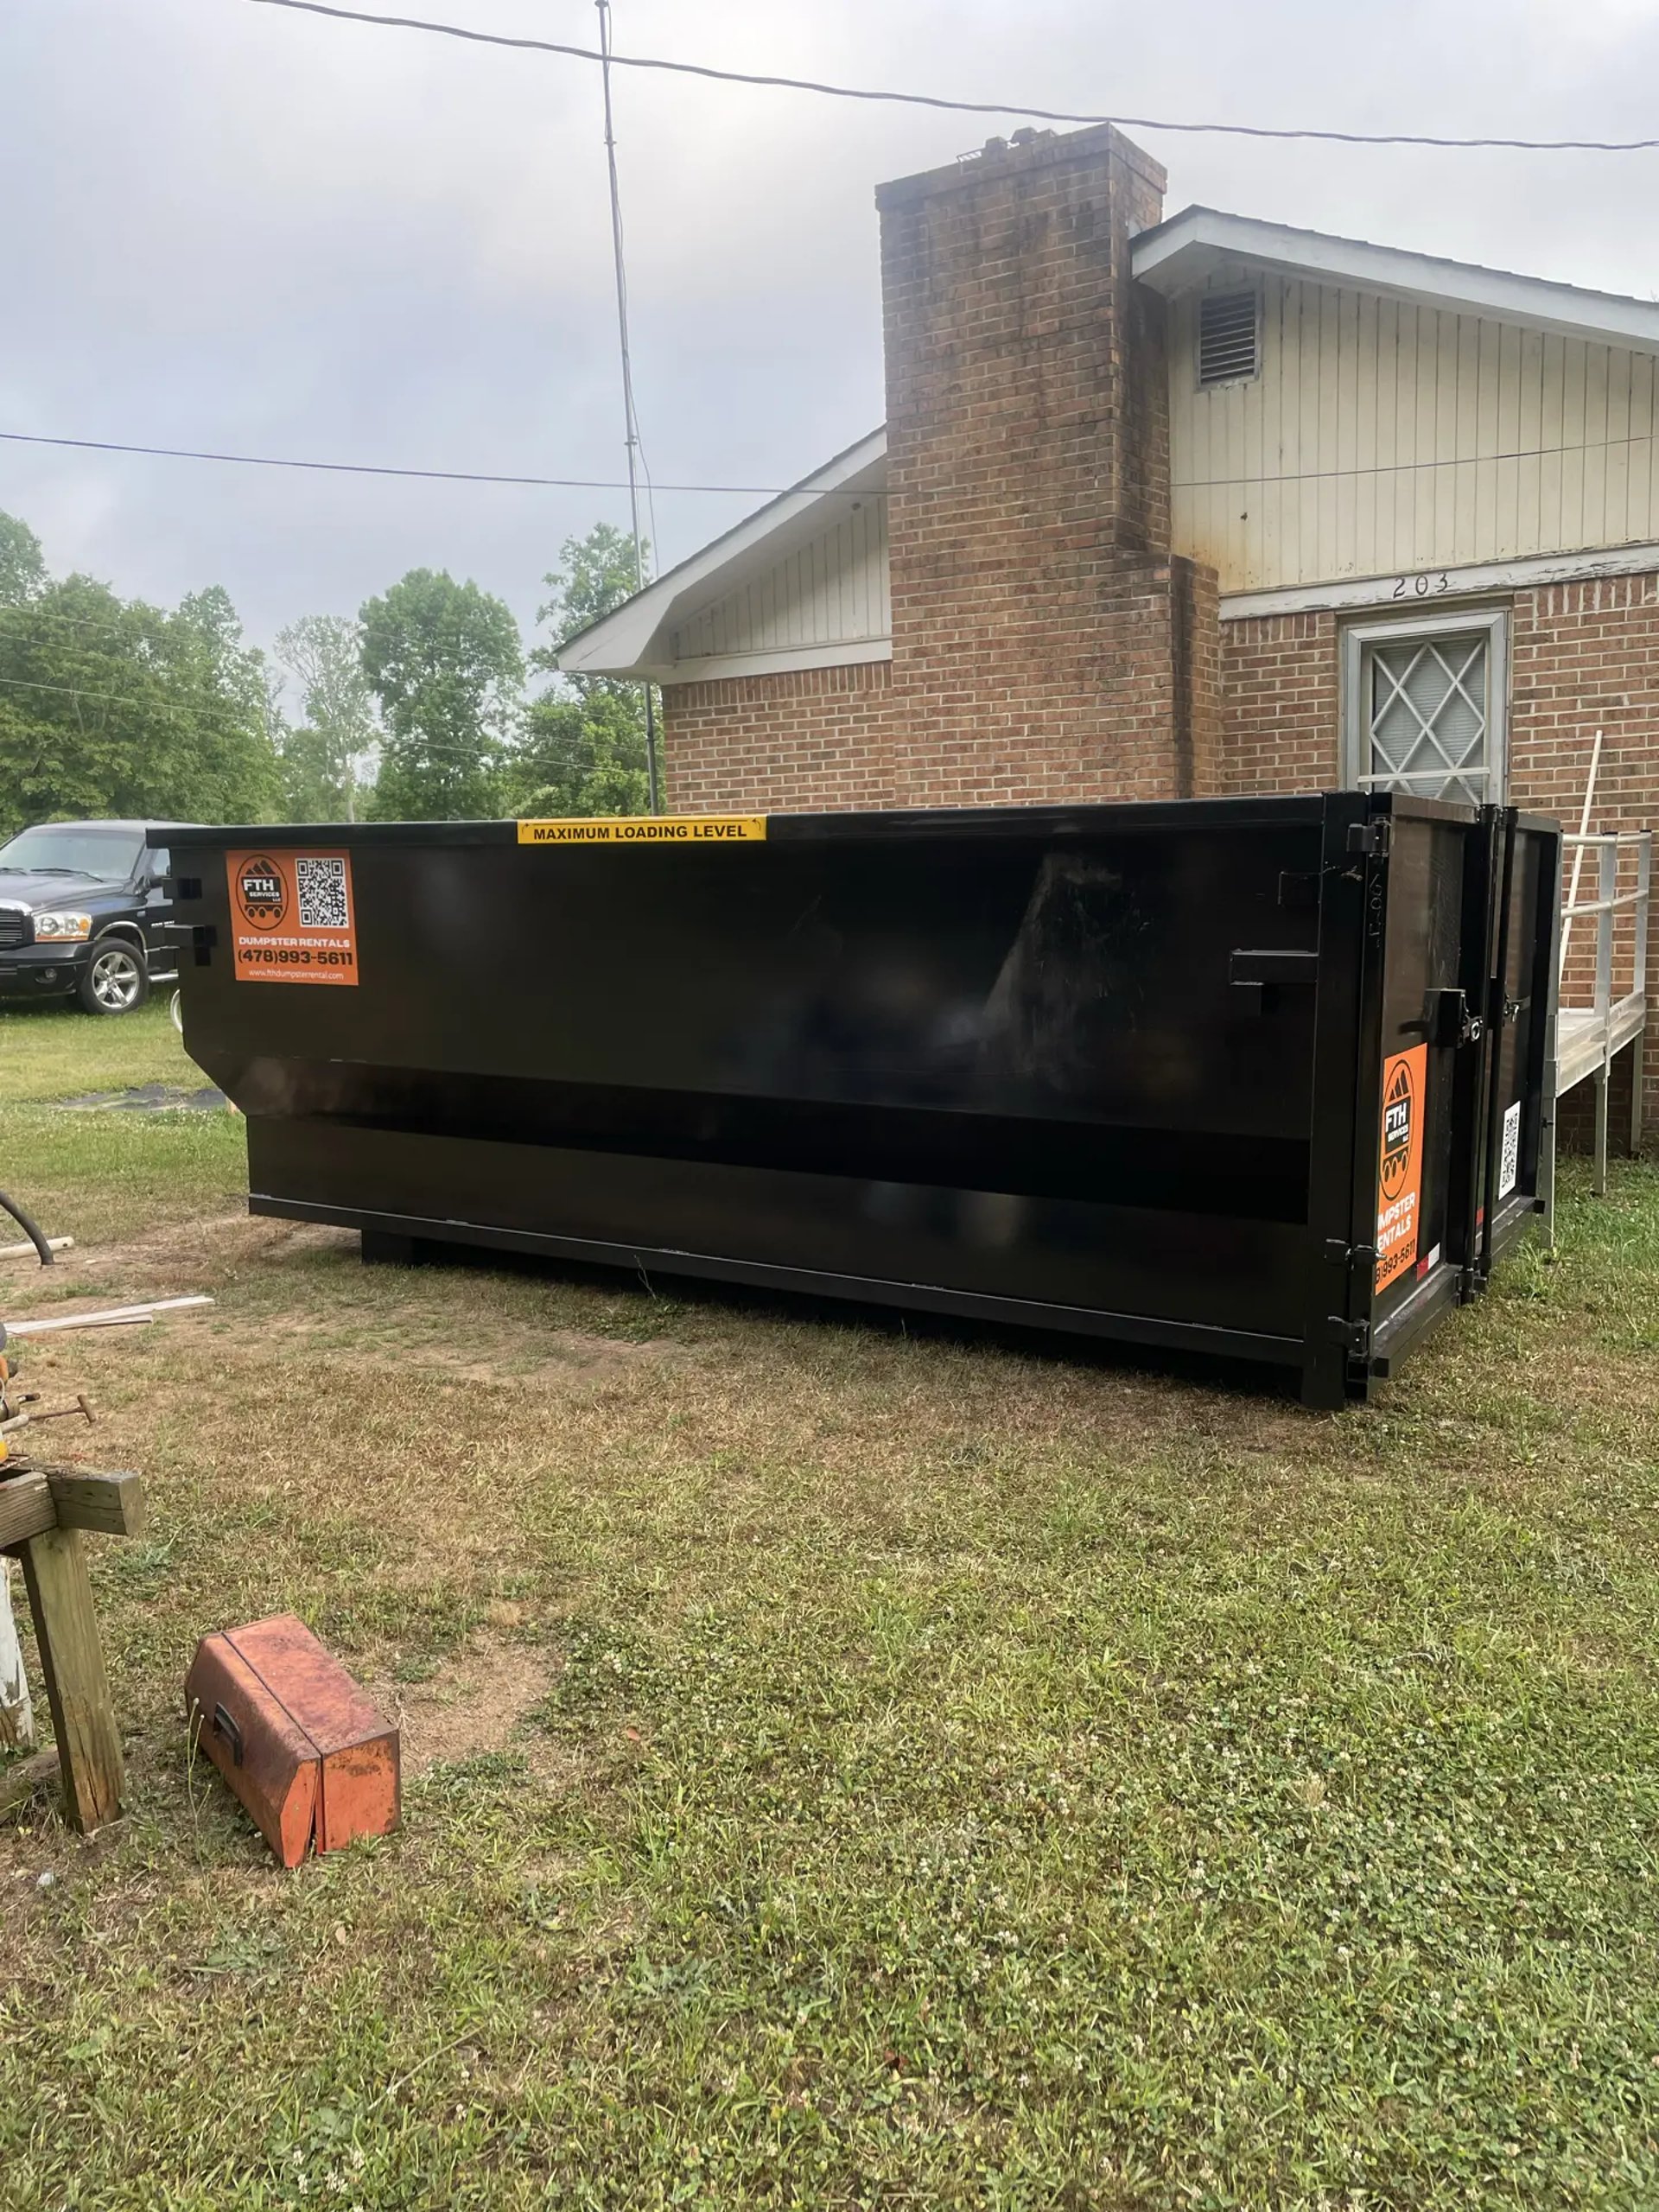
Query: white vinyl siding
x=1384, y=438
x=831, y=591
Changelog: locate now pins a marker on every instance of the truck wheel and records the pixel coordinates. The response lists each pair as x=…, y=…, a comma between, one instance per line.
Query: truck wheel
x=115, y=979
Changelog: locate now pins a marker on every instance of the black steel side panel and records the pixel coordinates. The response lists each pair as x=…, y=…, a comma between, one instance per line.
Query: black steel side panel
x=1112, y=1069
x=414, y=1230
x=1087, y=983
x=1013, y=1063
x=1177, y=1267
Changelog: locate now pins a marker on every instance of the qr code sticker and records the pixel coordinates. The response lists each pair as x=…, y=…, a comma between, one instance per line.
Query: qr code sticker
x=1510, y=1159
x=321, y=886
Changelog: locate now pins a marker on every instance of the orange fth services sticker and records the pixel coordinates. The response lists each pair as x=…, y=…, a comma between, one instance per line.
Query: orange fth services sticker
x=1400, y=1173
x=293, y=918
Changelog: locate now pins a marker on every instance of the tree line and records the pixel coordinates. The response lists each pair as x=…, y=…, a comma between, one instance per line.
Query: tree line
x=423, y=707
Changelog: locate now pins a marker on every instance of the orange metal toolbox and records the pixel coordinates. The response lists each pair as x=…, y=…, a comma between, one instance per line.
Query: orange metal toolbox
x=312, y=1759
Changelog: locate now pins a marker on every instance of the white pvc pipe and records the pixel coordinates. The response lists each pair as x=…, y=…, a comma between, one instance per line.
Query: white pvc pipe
x=16, y=1714
x=111, y=1313
x=1577, y=850
x=28, y=1252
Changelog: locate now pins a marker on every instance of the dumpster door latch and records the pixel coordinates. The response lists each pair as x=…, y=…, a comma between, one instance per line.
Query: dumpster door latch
x=1354, y=1337
x=1447, y=1019
x=1358, y=1263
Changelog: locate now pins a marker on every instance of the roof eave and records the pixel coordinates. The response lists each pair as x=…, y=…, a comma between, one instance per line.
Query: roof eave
x=632, y=641
x=1189, y=247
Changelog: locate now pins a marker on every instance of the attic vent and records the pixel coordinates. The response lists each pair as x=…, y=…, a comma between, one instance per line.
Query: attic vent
x=1226, y=337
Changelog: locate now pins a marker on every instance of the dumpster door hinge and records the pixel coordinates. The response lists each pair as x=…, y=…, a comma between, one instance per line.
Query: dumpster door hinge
x=1371, y=839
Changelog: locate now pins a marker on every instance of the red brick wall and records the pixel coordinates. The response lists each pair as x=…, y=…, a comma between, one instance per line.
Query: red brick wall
x=1034, y=614
x=827, y=740
x=1198, y=680
x=815, y=740
x=1280, y=695
x=1585, y=657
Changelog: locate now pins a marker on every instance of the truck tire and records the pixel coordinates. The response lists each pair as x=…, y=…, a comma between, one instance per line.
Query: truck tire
x=115, y=979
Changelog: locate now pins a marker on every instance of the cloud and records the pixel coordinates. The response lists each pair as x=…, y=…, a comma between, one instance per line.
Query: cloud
x=247, y=228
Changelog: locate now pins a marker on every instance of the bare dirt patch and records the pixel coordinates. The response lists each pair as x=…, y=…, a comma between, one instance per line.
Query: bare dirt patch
x=523, y=1355
x=478, y=1702
x=207, y=1250
x=329, y=1322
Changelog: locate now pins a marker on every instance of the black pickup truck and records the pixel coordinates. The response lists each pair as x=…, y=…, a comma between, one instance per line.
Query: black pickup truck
x=84, y=909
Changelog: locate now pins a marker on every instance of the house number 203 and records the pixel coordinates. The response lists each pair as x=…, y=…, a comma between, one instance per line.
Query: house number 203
x=1425, y=587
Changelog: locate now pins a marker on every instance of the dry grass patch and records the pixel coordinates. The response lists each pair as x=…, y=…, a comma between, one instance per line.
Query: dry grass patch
x=856, y=1765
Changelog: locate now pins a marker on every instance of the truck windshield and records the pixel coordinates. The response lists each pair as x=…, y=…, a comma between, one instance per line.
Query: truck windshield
x=74, y=848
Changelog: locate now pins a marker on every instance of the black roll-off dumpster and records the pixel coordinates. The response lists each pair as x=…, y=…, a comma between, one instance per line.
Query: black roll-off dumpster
x=1260, y=1077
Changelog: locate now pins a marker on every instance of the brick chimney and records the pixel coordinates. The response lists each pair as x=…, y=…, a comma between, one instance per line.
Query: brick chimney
x=1045, y=644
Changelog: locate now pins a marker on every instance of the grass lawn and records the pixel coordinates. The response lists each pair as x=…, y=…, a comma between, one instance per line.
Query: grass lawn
x=844, y=1767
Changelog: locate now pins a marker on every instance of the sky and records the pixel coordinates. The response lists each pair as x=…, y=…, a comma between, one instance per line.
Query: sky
x=233, y=226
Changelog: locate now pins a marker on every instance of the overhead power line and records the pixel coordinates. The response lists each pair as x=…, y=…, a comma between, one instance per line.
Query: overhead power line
x=28, y=611
x=424, y=475
x=69, y=691
x=954, y=106
x=779, y=491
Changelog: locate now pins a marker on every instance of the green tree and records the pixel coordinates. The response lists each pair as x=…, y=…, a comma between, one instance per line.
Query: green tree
x=581, y=756
x=584, y=749
x=111, y=706
x=23, y=567
x=447, y=664
x=327, y=761
x=596, y=575
x=231, y=769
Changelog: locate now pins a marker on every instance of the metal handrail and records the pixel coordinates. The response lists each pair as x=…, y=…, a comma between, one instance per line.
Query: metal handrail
x=1610, y=901
x=1606, y=906
x=1620, y=1020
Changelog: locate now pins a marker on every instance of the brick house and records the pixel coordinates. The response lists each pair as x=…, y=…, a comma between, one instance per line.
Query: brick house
x=1169, y=508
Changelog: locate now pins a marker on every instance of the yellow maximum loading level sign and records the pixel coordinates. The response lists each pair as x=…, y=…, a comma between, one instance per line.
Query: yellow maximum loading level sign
x=647, y=829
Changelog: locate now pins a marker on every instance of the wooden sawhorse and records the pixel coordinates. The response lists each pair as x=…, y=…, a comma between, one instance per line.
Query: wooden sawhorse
x=43, y=1511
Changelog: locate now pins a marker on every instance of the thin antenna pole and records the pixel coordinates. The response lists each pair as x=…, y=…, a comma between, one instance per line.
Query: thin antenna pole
x=630, y=421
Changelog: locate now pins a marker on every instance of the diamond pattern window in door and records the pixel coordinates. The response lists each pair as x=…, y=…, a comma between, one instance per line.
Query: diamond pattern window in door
x=1428, y=717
